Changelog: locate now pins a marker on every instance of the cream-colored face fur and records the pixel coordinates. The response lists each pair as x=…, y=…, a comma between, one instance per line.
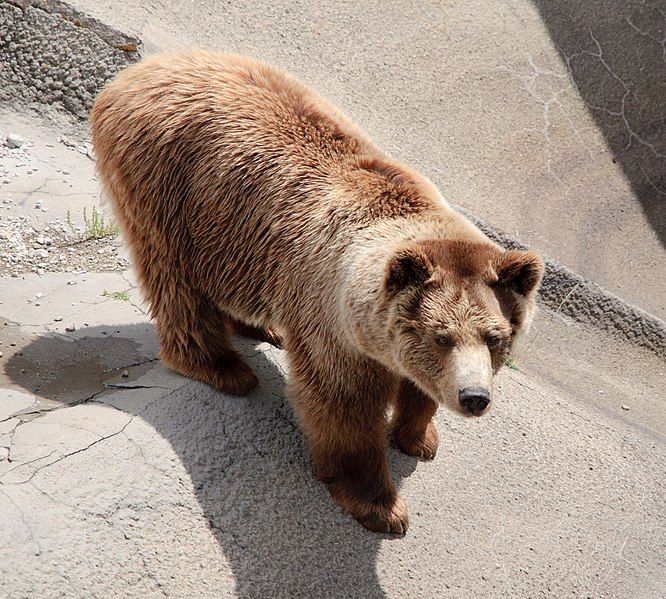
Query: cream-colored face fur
x=449, y=339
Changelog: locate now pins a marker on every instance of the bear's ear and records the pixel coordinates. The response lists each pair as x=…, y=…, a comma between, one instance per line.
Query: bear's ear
x=408, y=266
x=520, y=271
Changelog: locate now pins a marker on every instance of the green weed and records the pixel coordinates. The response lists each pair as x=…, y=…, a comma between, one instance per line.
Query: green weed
x=96, y=226
x=510, y=362
x=119, y=295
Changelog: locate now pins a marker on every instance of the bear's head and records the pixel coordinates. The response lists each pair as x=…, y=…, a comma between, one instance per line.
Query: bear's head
x=453, y=311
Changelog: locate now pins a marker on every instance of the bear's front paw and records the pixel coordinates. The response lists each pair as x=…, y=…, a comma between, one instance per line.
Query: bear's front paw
x=388, y=518
x=421, y=445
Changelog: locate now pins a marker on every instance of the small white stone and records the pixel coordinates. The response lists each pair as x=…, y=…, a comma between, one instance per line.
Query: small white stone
x=70, y=328
x=14, y=140
x=57, y=318
x=625, y=407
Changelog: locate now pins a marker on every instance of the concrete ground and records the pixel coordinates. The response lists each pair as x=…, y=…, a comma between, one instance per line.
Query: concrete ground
x=120, y=478
x=127, y=480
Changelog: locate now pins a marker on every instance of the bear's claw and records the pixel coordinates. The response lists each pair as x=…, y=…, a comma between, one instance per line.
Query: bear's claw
x=391, y=519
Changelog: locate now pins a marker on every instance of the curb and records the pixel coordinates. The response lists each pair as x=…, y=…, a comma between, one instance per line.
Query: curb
x=570, y=294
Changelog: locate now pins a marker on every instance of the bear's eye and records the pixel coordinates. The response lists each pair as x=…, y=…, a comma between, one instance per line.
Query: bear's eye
x=493, y=341
x=443, y=340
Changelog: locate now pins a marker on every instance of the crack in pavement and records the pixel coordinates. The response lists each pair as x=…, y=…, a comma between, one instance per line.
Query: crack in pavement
x=24, y=521
x=661, y=42
x=632, y=135
x=81, y=450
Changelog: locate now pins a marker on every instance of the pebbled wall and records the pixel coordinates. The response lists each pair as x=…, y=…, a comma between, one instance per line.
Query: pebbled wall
x=52, y=54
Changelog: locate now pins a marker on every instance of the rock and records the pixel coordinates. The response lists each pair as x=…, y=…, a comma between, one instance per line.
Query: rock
x=624, y=407
x=14, y=140
x=125, y=373
x=57, y=318
x=67, y=142
x=70, y=328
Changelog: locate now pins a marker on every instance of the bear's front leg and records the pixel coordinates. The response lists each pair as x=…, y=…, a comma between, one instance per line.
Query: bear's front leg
x=413, y=429
x=346, y=430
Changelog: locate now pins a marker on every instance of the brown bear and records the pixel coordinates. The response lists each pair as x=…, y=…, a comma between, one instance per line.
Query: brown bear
x=251, y=205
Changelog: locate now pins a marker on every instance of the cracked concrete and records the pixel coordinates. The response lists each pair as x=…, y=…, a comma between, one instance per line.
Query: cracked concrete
x=120, y=478
x=177, y=490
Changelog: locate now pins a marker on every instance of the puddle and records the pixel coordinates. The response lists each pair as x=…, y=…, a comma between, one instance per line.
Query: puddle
x=71, y=371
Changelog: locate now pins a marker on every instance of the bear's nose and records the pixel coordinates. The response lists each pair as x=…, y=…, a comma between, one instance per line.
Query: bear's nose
x=474, y=399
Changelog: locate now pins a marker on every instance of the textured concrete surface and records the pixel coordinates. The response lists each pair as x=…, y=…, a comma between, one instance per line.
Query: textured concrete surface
x=53, y=169
x=546, y=119
x=152, y=485
x=51, y=54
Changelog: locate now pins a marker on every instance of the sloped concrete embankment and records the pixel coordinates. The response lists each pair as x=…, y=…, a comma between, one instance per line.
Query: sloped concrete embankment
x=52, y=54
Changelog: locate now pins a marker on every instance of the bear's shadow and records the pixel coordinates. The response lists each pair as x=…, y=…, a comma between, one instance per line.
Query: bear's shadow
x=278, y=528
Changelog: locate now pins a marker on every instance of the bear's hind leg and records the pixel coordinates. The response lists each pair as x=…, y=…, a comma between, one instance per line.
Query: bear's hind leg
x=195, y=339
x=413, y=429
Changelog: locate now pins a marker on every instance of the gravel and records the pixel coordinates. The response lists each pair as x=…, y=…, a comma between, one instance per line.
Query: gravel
x=27, y=245
x=52, y=54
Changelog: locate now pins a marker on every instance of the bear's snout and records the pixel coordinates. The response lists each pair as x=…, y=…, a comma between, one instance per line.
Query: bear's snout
x=474, y=399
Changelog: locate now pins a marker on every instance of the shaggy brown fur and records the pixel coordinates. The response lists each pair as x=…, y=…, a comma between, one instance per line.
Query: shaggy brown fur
x=251, y=205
